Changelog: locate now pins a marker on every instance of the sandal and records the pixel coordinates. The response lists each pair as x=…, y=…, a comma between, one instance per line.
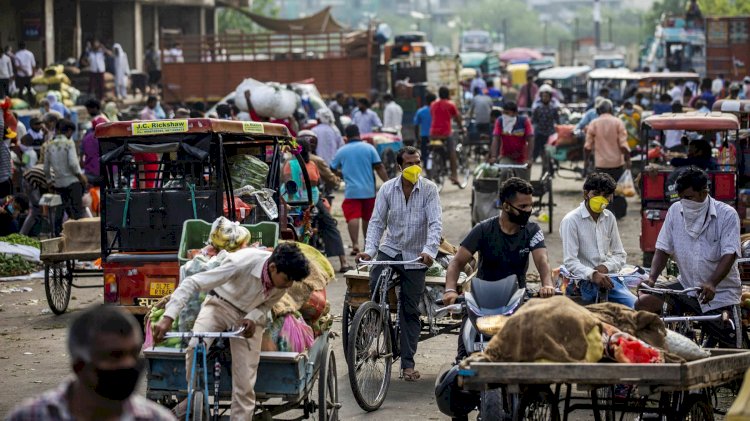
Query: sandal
x=413, y=376
x=355, y=251
x=345, y=269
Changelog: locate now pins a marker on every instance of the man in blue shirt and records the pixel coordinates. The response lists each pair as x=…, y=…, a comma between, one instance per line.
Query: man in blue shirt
x=422, y=123
x=365, y=118
x=355, y=162
x=494, y=93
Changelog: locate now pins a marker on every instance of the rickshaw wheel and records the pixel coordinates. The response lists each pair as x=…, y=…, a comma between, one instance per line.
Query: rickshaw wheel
x=537, y=404
x=197, y=410
x=696, y=408
x=369, y=357
x=328, y=388
x=58, y=282
x=346, y=316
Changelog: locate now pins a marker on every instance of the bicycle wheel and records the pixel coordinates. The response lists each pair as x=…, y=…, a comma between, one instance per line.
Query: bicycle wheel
x=537, y=404
x=346, y=323
x=464, y=172
x=58, y=282
x=197, y=412
x=328, y=389
x=369, y=357
x=436, y=168
x=696, y=408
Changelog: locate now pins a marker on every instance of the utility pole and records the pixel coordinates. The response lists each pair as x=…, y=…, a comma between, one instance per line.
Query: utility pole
x=597, y=24
x=505, y=33
x=546, y=24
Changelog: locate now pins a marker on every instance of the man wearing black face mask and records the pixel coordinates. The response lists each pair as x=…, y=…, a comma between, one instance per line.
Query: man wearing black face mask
x=104, y=343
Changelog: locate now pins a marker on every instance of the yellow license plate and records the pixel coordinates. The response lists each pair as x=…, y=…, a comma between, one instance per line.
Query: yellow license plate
x=160, y=288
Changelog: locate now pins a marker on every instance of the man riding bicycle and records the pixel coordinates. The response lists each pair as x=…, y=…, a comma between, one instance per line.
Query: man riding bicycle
x=504, y=243
x=702, y=235
x=513, y=140
x=444, y=112
x=407, y=210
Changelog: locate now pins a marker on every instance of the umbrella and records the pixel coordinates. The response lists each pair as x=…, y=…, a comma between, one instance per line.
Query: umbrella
x=520, y=54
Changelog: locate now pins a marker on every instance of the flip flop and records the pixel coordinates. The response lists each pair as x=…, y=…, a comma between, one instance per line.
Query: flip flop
x=355, y=251
x=345, y=269
x=411, y=377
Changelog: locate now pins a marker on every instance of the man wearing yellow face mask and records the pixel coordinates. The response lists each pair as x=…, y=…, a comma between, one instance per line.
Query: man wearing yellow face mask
x=409, y=208
x=592, y=248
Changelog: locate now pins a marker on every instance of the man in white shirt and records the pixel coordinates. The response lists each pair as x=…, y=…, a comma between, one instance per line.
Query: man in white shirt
x=592, y=248
x=6, y=74
x=241, y=292
x=678, y=91
x=97, y=68
x=25, y=66
x=717, y=85
x=393, y=114
x=481, y=110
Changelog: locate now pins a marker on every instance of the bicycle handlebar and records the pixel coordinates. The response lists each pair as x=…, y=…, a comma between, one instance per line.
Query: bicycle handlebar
x=509, y=166
x=187, y=335
x=417, y=261
x=666, y=291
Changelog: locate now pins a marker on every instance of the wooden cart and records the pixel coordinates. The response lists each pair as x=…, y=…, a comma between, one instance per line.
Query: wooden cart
x=676, y=391
x=61, y=268
x=358, y=292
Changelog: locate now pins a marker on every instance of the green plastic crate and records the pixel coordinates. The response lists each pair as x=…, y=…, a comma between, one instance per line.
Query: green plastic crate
x=195, y=234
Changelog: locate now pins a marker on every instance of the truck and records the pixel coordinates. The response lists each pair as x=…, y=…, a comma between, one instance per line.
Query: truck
x=728, y=46
x=677, y=45
x=211, y=66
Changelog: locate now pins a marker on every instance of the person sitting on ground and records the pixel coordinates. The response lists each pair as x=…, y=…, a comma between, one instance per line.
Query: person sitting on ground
x=104, y=344
x=241, y=292
x=702, y=235
x=592, y=248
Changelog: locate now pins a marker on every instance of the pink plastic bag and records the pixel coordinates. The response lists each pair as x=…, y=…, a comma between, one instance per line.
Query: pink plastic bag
x=148, y=340
x=296, y=333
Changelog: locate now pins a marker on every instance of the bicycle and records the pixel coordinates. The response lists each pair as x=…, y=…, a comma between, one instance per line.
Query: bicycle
x=373, y=339
x=197, y=394
x=435, y=163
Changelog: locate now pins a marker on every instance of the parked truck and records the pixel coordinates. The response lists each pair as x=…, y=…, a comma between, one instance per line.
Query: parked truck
x=728, y=46
x=208, y=67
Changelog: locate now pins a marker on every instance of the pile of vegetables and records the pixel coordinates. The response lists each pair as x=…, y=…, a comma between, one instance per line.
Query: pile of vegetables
x=155, y=316
x=21, y=239
x=15, y=265
x=247, y=170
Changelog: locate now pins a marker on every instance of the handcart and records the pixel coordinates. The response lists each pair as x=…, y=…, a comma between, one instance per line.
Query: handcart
x=62, y=267
x=485, y=192
x=387, y=144
x=286, y=381
x=675, y=391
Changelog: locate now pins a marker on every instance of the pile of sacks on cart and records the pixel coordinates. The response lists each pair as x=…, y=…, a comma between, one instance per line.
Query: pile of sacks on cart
x=299, y=317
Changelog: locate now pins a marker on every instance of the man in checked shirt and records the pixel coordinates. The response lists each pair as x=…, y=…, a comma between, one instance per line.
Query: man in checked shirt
x=407, y=206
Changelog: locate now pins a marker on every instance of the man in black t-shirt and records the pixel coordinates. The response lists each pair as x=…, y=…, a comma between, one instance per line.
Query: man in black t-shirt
x=504, y=243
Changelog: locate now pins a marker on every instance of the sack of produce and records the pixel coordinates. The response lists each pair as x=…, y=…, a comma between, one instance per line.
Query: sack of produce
x=625, y=185
x=436, y=270
x=315, y=306
x=321, y=272
x=555, y=329
x=273, y=101
x=683, y=347
x=247, y=170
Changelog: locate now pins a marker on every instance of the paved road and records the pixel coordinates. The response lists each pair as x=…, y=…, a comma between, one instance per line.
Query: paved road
x=34, y=358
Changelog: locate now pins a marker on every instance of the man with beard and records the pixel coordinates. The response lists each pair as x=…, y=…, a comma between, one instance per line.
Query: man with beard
x=104, y=344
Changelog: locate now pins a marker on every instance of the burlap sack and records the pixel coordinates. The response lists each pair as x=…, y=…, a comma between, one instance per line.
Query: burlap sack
x=82, y=235
x=644, y=325
x=321, y=272
x=550, y=330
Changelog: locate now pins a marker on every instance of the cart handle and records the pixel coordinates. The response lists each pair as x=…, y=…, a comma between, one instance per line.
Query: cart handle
x=509, y=166
x=187, y=335
x=417, y=261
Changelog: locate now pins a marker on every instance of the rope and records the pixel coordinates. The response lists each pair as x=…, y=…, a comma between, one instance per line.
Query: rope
x=192, y=199
x=125, y=209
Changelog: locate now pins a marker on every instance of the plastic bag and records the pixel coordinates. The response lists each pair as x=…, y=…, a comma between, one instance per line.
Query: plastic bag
x=295, y=334
x=625, y=185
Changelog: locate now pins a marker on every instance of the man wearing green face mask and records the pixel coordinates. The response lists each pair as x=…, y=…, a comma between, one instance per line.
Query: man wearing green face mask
x=409, y=208
x=592, y=248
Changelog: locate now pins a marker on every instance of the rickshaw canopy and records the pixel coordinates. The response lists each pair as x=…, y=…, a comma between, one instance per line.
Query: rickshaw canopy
x=614, y=74
x=565, y=72
x=670, y=76
x=190, y=125
x=693, y=121
x=736, y=106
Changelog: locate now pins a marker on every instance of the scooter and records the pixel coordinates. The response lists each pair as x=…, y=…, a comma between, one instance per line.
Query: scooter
x=486, y=298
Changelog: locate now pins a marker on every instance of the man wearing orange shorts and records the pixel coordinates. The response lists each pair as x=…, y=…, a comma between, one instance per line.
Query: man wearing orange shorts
x=356, y=161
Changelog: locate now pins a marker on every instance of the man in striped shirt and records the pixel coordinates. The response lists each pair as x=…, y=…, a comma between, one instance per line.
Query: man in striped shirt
x=407, y=206
x=592, y=248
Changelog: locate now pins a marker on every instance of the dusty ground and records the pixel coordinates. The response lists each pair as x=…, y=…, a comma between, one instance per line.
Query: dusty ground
x=33, y=354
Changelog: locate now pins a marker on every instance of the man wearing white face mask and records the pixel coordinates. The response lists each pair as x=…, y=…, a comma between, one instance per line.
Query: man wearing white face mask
x=592, y=248
x=703, y=236
x=513, y=140
x=407, y=206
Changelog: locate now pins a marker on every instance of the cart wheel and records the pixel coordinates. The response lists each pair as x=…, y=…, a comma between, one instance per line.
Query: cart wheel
x=346, y=323
x=197, y=412
x=328, y=389
x=369, y=357
x=696, y=408
x=537, y=404
x=58, y=281
x=389, y=162
x=492, y=406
